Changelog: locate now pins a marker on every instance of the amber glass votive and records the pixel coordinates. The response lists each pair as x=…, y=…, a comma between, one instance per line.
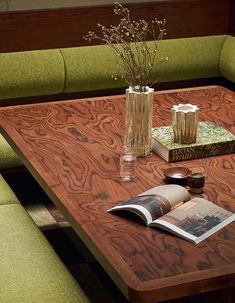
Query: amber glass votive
x=196, y=182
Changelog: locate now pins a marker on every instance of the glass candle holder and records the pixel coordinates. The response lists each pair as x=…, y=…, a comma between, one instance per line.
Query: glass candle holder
x=196, y=182
x=127, y=166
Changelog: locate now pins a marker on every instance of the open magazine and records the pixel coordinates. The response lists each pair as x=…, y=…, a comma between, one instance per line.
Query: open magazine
x=164, y=207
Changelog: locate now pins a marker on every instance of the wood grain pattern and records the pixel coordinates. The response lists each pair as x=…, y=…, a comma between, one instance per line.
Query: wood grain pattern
x=65, y=27
x=72, y=148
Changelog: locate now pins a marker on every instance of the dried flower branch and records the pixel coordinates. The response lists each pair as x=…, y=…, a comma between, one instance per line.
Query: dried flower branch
x=128, y=40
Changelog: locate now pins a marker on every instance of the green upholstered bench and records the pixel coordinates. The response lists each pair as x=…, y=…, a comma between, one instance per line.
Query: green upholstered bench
x=30, y=269
x=90, y=68
x=8, y=158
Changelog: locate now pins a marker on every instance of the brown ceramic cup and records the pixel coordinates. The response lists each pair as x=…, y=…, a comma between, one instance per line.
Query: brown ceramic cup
x=196, y=182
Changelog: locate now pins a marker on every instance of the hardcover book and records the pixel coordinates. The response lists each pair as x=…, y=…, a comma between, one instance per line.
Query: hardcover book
x=169, y=207
x=212, y=140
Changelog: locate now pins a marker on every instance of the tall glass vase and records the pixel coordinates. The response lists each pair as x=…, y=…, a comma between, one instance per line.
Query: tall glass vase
x=139, y=111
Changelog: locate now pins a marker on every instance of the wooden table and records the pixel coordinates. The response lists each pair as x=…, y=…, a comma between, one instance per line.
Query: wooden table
x=72, y=148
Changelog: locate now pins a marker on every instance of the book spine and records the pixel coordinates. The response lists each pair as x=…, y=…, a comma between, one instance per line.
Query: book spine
x=201, y=151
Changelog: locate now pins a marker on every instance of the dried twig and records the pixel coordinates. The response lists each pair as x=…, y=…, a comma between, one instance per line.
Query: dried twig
x=128, y=40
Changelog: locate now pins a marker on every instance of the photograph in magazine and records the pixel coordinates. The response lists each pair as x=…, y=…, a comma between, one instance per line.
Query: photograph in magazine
x=197, y=217
x=155, y=202
x=156, y=205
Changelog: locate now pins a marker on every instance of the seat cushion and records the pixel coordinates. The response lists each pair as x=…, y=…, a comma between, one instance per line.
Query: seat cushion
x=31, y=73
x=227, y=59
x=7, y=196
x=92, y=67
x=8, y=158
x=30, y=269
x=189, y=58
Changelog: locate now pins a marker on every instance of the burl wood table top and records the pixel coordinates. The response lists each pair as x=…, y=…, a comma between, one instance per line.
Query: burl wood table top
x=72, y=148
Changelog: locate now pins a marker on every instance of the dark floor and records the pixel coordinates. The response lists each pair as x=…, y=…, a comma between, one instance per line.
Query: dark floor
x=89, y=274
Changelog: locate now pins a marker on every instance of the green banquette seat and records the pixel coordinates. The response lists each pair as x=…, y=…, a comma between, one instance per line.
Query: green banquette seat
x=31, y=271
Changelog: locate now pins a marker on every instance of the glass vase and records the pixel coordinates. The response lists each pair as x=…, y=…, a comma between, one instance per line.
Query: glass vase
x=139, y=112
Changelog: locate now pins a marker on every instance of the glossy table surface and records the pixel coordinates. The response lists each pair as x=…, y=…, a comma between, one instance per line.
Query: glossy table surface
x=72, y=148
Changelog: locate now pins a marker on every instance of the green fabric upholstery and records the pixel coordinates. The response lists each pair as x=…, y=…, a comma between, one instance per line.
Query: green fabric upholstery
x=90, y=68
x=36, y=73
x=227, y=59
x=30, y=269
x=31, y=73
x=8, y=158
x=189, y=58
x=6, y=194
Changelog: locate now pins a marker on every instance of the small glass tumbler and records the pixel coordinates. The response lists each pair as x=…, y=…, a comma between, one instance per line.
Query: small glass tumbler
x=196, y=182
x=127, y=166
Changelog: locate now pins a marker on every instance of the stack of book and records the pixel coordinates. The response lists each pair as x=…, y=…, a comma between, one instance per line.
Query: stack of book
x=212, y=140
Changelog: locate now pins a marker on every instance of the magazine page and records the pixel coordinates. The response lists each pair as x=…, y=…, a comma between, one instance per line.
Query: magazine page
x=155, y=202
x=195, y=220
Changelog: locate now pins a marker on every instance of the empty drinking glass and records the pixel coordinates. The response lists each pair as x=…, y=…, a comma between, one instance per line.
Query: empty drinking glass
x=127, y=166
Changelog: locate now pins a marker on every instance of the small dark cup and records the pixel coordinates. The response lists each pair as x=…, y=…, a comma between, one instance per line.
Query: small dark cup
x=196, y=182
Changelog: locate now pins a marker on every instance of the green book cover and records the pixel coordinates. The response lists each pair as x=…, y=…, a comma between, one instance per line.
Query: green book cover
x=211, y=140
